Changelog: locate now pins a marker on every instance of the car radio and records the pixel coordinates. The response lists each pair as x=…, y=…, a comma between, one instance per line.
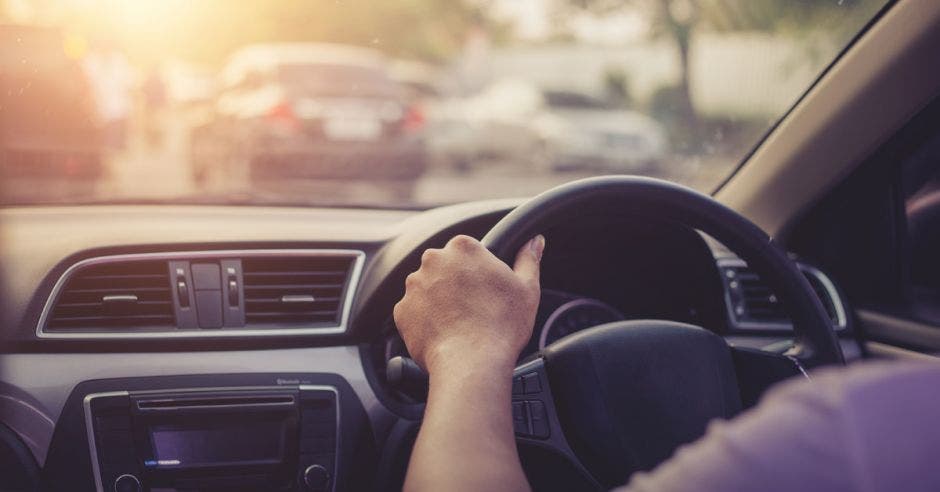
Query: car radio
x=244, y=439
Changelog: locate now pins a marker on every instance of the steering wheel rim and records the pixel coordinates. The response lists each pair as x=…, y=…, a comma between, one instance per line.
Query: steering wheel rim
x=815, y=341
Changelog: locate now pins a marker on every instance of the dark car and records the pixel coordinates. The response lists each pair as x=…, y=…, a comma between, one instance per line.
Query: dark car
x=310, y=112
x=47, y=121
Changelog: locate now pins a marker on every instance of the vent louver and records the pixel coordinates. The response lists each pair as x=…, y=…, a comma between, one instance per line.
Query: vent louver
x=124, y=295
x=204, y=294
x=753, y=303
x=295, y=291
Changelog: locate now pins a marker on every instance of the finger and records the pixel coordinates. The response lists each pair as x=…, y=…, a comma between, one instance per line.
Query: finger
x=528, y=259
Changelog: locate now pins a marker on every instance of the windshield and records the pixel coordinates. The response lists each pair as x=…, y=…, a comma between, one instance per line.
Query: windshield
x=397, y=103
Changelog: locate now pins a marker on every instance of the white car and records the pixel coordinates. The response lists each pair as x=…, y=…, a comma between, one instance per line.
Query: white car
x=585, y=132
x=494, y=126
x=515, y=122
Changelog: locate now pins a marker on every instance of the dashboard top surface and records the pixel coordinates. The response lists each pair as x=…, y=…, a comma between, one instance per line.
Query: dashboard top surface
x=37, y=243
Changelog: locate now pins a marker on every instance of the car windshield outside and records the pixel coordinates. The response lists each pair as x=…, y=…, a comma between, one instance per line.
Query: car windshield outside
x=397, y=103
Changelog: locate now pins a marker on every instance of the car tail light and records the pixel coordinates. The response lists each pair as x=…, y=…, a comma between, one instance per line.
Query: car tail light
x=282, y=114
x=413, y=119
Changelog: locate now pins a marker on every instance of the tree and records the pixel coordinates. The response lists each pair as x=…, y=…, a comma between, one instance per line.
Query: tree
x=679, y=20
x=208, y=30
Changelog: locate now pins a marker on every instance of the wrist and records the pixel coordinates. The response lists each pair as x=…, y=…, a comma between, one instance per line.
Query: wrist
x=461, y=358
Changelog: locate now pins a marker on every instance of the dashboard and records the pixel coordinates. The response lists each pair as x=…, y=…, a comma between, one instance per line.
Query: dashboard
x=159, y=304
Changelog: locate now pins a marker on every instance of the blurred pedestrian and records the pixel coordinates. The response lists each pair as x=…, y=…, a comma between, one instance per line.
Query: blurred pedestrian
x=111, y=78
x=154, y=101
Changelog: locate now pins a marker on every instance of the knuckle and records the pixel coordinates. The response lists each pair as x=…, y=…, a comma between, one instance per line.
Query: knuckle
x=411, y=280
x=463, y=242
x=430, y=255
x=399, y=314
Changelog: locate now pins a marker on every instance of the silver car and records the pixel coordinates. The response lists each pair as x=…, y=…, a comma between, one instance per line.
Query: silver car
x=586, y=132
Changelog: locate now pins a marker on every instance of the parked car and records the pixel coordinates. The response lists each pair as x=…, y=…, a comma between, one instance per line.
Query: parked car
x=494, y=126
x=587, y=132
x=48, y=127
x=308, y=111
x=515, y=121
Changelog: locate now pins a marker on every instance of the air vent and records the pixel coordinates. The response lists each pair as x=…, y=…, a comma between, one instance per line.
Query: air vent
x=752, y=304
x=295, y=291
x=123, y=295
x=204, y=294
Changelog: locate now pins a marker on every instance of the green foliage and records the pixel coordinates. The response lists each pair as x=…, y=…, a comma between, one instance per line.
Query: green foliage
x=792, y=16
x=209, y=30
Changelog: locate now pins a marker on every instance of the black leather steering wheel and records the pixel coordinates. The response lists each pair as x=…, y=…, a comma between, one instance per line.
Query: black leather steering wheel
x=620, y=397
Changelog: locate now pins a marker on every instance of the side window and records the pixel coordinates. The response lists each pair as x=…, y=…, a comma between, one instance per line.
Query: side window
x=920, y=192
x=922, y=209
x=878, y=236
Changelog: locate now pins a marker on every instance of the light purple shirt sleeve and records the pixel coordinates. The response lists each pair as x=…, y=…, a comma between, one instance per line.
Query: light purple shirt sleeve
x=871, y=427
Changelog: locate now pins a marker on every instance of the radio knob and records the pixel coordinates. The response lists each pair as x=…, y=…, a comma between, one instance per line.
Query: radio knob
x=127, y=483
x=316, y=478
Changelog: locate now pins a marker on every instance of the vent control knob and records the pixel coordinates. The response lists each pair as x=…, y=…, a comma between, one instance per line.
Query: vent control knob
x=127, y=483
x=182, y=291
x=316, y=478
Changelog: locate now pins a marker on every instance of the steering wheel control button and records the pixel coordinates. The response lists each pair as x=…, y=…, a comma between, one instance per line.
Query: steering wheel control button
x=316, y=478
x=531, y=384
x=520, y=418
x=530, y=419
x=127, y=483
x=517, y=386
x=539, y=418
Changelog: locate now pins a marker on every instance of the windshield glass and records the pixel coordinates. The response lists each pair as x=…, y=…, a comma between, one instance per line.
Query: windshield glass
x=397, y=103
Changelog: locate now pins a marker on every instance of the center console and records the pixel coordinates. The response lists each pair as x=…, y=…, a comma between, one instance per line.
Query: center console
x=244, y=439
x=165, y=435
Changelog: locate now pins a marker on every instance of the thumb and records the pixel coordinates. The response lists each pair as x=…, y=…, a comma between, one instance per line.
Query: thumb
x=528, y=258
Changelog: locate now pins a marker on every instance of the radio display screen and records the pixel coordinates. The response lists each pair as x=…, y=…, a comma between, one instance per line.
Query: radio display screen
x=219, y=443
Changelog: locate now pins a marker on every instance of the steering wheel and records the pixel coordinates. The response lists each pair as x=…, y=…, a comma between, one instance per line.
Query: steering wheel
x=620, y=397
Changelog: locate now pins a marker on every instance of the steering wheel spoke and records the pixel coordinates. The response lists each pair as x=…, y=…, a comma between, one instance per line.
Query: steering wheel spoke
x=535, y=417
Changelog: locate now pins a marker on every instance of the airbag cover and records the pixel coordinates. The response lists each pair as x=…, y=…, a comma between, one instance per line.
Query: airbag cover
x=629, y=393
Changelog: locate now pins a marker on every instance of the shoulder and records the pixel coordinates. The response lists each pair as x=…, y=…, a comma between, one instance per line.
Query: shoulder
x=842, y=388
x=867, y=425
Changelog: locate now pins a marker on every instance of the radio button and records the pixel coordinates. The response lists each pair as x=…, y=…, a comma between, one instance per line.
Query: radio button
x=316, y=478
x=127, y=483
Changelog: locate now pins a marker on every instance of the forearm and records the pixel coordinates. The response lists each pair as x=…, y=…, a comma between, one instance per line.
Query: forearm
x=466, y=440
